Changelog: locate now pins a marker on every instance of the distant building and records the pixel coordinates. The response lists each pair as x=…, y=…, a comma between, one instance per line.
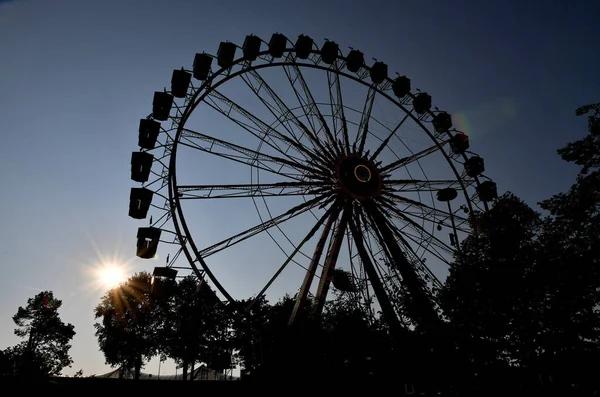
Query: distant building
x=200, y=373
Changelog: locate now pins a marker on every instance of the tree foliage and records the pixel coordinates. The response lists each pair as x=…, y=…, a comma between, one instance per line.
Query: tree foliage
x=182, y=320
x=571, y=248
x=524, y=289
x=196, y=327
x=342, y=341
x=127, y=331
x=44, y=350
x=488, y=291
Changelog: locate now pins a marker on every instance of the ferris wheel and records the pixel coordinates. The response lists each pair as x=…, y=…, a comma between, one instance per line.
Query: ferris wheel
x=286, y=167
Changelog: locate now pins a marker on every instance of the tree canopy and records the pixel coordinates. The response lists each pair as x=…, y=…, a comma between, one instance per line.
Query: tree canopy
x=182, y=320
x=127, y=330
x=525, y=288
x=44, y=350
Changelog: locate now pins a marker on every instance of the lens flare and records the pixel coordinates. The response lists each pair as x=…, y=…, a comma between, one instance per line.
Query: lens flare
x=110, y=275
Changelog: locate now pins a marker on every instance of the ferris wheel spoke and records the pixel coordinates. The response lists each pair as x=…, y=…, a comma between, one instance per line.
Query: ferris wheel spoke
x=418, y=241
x=415, y=259
x=409, y=241
x=371, y=230
x=360, y=280
x=332, y=214
x=337, y=107
x=428, y=216
x=319, y=201
x=419, y=185
x=281, y=111
x=412, y=256
x=424, y=241
x=388, y=274
x=398, y=214
x=421, y=307
x=331, y=259
x=410, y=159
x=387, y=308
x=279, y=189
x=258, y=133
x=426, y=212
x=363, y=127
x=221, y=107
x=265, y=132
x=245, y=155
x=309, y=106
x=261, y=165
x=387, y=139
x=290, y=258
x=375, y=239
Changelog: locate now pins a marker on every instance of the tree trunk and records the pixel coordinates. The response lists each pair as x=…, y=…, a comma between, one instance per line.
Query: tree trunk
x=185, y=369
x=138, y=367
x=192, y=371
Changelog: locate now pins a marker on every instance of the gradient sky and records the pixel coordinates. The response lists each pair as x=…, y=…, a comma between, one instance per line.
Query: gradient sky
x=76, y=76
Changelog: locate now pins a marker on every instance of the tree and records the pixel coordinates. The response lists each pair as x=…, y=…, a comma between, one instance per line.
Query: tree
x=354, y=344
x=195, y=322
x=341, y=341
x=571, y=271
x=220, y=337
x=248, y=322
x=576, y=213
x=265, y=343
x=525, y=289
x=127, y=333
x=488, y=296
x=45, y=349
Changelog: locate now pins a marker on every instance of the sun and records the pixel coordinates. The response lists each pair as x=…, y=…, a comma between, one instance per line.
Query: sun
x=111, y=275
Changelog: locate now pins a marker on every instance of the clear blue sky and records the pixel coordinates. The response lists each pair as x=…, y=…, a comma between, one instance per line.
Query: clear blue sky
x=76, y=76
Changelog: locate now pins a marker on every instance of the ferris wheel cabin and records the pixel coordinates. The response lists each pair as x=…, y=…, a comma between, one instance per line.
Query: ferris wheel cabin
x=202, y=64
x=459, y=143
x=343, y=280
x=161, y=105
x=446, y=194
x=442, y=122
x=304, y=46
x=147, y=242
x=140, y=199
x=163, y=280
x=225, y=54
x=277, y=45
x=379, y=72
x=329, y=52
x=474, y=166
x=487, y=191
x=355, y=60
x=422, y=103
x=251, y=47
x=141, y=164
x=401, y=86
x=148, y=133
x=180, y=81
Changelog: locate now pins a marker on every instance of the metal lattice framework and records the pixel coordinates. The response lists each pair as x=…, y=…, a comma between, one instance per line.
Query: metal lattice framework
x=336, y=158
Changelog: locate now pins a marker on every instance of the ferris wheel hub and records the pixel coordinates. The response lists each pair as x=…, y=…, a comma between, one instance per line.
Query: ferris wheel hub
x=358, y=177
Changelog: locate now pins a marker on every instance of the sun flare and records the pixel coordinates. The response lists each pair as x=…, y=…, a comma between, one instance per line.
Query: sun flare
x=111, y=275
